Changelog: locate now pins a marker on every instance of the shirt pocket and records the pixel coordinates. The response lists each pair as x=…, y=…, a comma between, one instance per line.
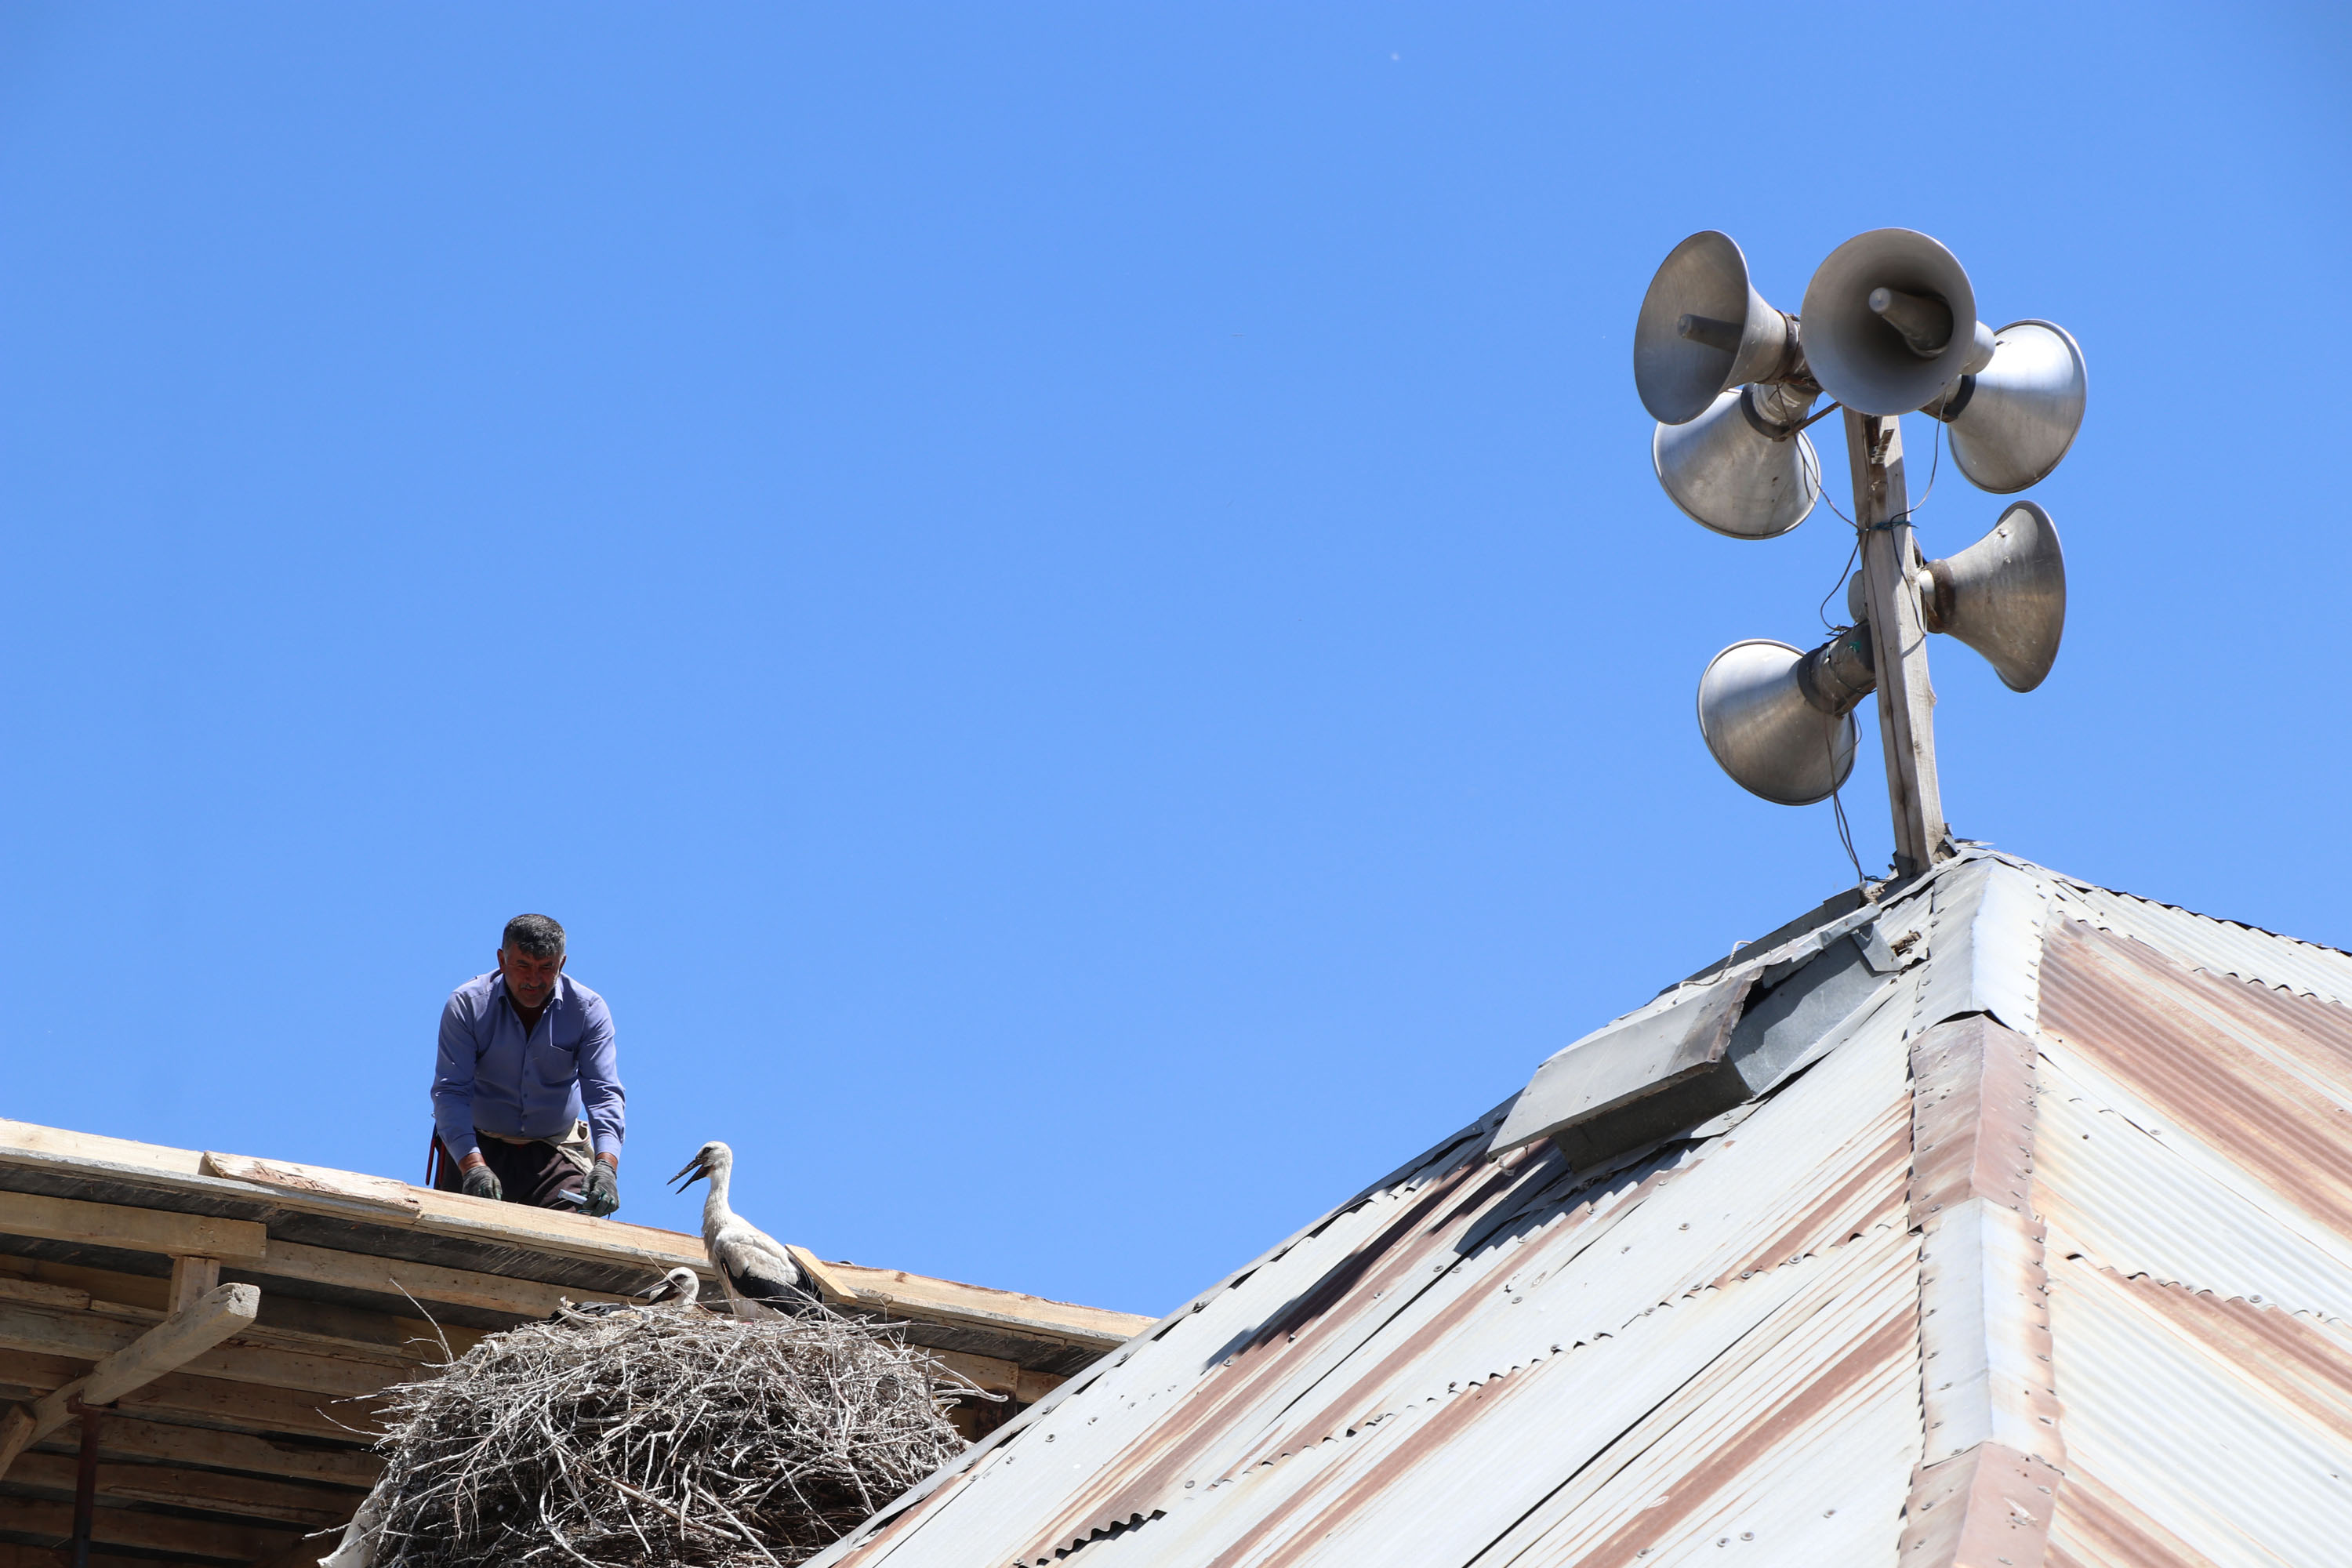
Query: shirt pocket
x=553, y=1064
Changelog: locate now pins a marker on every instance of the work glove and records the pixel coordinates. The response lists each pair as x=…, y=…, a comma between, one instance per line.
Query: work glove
x=603, y=1190
x=481, y=1182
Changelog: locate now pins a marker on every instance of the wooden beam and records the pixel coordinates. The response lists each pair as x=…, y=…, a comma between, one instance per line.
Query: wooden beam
x=154, y=1531
x=996, y=1375
x=516, y=1227
x=41, y=1293
x=212, y=1401
x=188, y=1333
x=397, y=1197
x=423, y=1281
x=85, y=1336
x=898, y=1293
x=251, y=1407
x=308, y=1507
x=123, y=1437
x=287, y=1321
x=237, y=1241
x=1907, y=701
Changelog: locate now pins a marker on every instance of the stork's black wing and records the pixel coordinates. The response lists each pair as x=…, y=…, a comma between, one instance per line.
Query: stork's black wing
x=761, y=1276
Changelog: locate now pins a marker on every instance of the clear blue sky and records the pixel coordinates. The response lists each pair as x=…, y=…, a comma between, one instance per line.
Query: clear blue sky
x=1067, y=602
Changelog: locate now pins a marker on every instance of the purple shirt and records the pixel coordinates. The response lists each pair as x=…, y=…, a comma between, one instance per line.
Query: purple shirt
x=490, y=1076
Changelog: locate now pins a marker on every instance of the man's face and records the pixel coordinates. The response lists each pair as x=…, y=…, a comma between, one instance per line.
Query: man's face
x=530, y=981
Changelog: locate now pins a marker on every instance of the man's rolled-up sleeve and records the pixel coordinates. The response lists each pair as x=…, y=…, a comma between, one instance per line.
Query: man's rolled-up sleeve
x=452, y=1080
x=601, y=1094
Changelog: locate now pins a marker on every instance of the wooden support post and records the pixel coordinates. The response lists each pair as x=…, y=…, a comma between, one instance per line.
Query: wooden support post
x=192, y=1278
x=1907, y=702
x=183, y=1335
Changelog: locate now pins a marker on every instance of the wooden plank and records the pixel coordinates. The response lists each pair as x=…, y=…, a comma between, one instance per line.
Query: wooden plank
x=237, y=1241
x=252, y=1407
x=517, y=1230
x=286, y=1321
x=989, y=1372
x=555, y=1231
x=53, y=1522
x=211, y=1402
x=1907, y=701
x=172, y=1486
x=424, y=1281
x=510, y=1226
x=398, y=1199
x=86, y=1337
x=63, y=1143
x=30, y=1376
x=122, y=1436
x=899, y=1293
x=135, y=1290
x=64, y=1297
x=193, y=1330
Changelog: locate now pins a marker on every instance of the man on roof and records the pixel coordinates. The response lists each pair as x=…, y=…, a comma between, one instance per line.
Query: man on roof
x=527, y=1099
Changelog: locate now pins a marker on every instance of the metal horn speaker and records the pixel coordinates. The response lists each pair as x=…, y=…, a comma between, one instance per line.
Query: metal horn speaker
x=1738, y=470
x=2011, y=421
x=1780, y=721
x=1703, y=327
x=2005, y=595
x=1890, y=321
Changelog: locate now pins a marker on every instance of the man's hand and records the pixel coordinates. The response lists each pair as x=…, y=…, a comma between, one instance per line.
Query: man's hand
x=603, y=1189
x=479, y=1181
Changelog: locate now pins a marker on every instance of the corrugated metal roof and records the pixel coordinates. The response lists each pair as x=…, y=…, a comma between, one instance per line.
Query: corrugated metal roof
x=2210, y=1430
x=1712, y=1352
x=2217, y=946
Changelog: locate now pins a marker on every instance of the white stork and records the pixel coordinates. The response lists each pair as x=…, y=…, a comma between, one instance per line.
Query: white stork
x=757, y=1275
x=680, y=1285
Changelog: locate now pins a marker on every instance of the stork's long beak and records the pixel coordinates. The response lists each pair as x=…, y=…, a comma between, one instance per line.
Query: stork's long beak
x=694, y=1171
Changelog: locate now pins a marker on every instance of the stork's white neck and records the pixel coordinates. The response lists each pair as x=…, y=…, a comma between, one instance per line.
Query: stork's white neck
x=715, y=1212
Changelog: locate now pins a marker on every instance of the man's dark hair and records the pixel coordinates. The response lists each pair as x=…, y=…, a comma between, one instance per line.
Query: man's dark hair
x=533, y=934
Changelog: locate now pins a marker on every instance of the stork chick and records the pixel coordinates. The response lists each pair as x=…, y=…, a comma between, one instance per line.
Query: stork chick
x=756, y=1275
x=680, y=1285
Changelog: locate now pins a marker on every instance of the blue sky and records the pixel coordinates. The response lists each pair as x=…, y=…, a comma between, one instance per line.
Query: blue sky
x=1068, y=601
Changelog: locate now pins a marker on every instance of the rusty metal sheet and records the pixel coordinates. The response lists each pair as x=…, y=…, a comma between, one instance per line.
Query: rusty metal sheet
x=1779, y=1414
x=2126, y=1197
x=1380, y=1323
x=2198, y=1429
x=2253, y=1087
x=2217, y=946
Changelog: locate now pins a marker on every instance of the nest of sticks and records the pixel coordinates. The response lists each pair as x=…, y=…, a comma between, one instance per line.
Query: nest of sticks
x=657, y=1435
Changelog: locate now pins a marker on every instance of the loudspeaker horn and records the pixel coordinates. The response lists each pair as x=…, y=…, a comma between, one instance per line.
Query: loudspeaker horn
x=1703, y=327
x=1890, y=321
x=1780, y=721
x=1738, y=470
x=2005, y=595
x=2011, y=421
